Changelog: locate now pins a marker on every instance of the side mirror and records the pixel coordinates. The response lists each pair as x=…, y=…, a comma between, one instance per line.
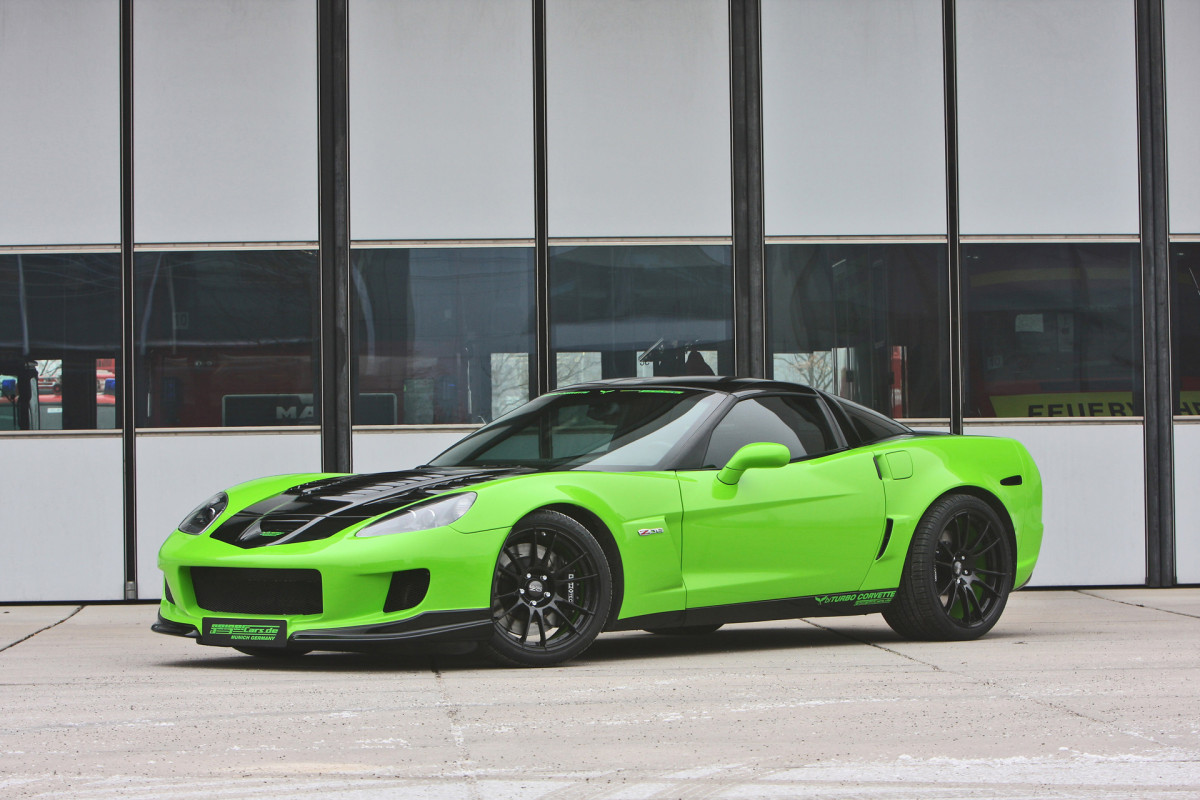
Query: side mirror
x=760, y=455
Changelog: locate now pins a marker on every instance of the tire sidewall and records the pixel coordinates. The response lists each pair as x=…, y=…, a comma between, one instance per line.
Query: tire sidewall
x=501, y=646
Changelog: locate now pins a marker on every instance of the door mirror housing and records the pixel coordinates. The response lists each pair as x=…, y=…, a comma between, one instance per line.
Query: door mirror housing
x=760, y=455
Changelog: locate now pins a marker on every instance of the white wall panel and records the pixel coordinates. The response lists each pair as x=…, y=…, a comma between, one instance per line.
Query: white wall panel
x=854, y=139
x=1093, y=501
x=1183, y=113
x=177, y=472
x=60, y=144
x=1187, y=503
x=226, y=120
x=383, y=451
x=62, y=528
x=638, y=117
x=1047, y=117
x=441, y=119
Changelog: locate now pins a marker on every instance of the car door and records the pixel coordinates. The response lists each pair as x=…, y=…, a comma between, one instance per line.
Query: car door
x=811, y=527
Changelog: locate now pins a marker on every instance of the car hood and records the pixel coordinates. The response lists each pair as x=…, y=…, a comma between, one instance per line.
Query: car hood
x=319, y=509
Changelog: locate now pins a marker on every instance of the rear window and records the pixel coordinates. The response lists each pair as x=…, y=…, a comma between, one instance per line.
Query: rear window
x=862, y=425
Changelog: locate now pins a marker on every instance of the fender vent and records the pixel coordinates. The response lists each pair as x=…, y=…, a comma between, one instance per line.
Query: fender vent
x=1012, y=480
x=887, y=537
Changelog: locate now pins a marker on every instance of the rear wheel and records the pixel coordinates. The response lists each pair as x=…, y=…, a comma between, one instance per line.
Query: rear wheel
x=958, y=574
x=551, y=592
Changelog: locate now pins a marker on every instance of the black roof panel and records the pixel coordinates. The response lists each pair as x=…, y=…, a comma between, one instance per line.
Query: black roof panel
x=715, y=383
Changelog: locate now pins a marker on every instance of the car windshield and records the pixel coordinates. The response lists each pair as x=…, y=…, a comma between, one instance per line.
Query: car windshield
x=626, y=429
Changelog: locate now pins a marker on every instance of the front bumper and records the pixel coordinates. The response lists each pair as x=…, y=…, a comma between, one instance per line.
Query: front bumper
x=432, y=626
x=353, y=603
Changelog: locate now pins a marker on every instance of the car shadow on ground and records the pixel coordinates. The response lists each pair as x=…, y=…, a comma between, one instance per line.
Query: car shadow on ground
x=608, y=648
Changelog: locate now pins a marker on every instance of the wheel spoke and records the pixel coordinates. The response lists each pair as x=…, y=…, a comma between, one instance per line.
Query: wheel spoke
x=541, y=618
x=515, y=557
x=972, y=602
x=987, y=587
x=992, y=572
x=509, y=571
x=558, y=573
x=953, y=596
x=562, y=601
x=976, y=553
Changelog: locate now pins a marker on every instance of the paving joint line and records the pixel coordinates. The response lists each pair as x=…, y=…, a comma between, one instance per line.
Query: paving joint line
x=1137, y=605
x=997, y=685
x=42, y=630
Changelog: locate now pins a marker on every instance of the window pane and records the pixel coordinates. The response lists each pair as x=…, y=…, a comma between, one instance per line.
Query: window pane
x=638, y=117
x=441, y=335
x=226, y=117
x=1053, y=330
x=853, y=117
x=1185, y=326
x=226, y=338
x=1047, y=116
x=630, y=310
x=60, y=341
x=441, y=120
x=867, y=322
x=797, y=422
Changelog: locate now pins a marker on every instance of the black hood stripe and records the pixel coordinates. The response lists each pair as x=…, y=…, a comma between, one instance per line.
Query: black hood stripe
x=320, y=509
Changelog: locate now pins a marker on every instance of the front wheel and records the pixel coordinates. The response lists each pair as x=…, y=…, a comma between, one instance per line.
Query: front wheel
x=958, y=574
x=551, y=592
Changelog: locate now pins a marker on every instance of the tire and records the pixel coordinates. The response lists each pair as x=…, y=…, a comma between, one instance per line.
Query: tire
x=685, y=630
x=958, y=573
x=551, y=592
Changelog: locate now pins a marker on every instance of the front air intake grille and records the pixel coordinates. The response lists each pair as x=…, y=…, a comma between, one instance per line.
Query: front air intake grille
x=234, y=590
x=407, y=590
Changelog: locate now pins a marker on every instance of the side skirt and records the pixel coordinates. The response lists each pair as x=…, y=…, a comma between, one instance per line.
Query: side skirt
x=821, y=605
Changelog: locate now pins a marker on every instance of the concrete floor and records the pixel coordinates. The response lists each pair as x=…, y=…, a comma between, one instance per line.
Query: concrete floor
x=1076, y=694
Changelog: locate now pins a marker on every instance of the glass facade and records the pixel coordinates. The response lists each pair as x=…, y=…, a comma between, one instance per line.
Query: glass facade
x=60, y=341
x=491, y=258
x=225, y=338
x=621, y=311
x=868, y=322
x=1053, y=330
x=441, y=335
x=1185, y=326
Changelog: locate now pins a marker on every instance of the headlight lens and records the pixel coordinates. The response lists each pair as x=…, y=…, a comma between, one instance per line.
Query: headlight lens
x=204, y=514
x=433, y=514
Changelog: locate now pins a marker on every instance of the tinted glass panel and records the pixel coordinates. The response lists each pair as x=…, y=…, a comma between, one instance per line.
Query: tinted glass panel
x=226, y=338
x=1052, y=330
x=60, y=332
x=1185, y=326
x=610, y=428
x=441, y=335
x=864, y=425
x=868, y=322
x=797, y=422
x=641, y=310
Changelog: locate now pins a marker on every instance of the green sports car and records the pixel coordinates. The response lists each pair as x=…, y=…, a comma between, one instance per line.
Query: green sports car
x=673, y=505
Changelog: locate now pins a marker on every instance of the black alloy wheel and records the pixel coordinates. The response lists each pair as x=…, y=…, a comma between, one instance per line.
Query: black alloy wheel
x=551, y=592
x=958, y=575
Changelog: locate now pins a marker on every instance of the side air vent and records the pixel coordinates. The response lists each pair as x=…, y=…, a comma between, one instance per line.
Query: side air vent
x=1012, y=480
x=407, y=591
x=887, y=537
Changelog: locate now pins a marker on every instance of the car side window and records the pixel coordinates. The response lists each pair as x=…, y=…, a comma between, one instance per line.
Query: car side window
x=794, y=421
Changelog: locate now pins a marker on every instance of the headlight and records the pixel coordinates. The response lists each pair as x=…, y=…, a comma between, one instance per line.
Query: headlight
x=432, y=514
x=204, y=514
